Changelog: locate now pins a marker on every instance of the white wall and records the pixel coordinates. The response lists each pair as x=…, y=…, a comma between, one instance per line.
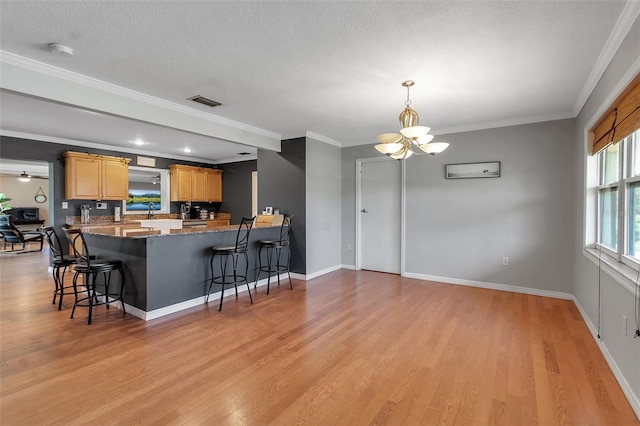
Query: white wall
x=323, y=193
x=623, y=352
x=22, y=194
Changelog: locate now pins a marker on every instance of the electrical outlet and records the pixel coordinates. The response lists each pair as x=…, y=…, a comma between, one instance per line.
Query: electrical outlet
x=65, y=205
x=101, y=206
x=505, y=261
x=624, y=325
x=348, y=246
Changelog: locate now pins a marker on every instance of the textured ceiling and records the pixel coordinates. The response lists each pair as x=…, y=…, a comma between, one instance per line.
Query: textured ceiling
x=331, y=68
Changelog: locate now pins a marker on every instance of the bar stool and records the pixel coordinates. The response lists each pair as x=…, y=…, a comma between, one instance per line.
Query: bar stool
x=233, y=252
x=274, y=247
x=61, y=261
x=90, y=266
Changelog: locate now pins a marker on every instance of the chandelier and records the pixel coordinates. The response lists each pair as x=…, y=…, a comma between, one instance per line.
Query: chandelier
x=401, y=145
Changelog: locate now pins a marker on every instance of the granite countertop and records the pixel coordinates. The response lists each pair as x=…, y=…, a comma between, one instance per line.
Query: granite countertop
x=133, y=230
x=107, y=220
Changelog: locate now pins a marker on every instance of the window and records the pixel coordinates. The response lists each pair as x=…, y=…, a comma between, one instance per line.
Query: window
x=146, y=186
x=619, y=199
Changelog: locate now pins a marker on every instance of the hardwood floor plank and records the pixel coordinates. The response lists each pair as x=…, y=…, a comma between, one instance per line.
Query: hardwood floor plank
x=347, y=348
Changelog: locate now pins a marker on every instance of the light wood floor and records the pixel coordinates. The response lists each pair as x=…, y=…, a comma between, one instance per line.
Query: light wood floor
x=348, y=348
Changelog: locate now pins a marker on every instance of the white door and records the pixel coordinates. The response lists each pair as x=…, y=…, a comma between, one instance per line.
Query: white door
x=380, y=216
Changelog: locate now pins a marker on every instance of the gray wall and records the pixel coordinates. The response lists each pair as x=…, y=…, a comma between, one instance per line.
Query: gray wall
x=281, y=184
x=236, y=189
x=323, y=199
x=462, y=228
x=616, y=300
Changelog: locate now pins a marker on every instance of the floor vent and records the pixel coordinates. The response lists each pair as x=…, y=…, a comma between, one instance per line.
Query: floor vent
x=204, y=101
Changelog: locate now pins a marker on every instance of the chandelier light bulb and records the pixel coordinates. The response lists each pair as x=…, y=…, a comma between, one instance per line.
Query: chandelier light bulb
x=400, y=145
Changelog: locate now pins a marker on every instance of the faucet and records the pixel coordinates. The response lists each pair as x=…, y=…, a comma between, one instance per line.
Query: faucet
x=150, y=207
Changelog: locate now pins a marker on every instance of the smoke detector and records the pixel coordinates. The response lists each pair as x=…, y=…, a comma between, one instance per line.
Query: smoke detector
x=60, y=49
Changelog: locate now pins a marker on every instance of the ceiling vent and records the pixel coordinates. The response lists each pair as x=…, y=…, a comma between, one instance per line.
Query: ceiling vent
x=244, y=153
x=204, y=101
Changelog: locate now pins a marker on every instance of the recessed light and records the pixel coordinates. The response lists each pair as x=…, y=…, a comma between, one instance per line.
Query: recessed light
x=60, y=49
x=138, y=142
x=187, y=150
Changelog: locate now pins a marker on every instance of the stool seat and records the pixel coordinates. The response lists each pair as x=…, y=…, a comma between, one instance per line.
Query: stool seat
x=273, y=243
x=227, y=249
x=273, y=249
x=224, y=252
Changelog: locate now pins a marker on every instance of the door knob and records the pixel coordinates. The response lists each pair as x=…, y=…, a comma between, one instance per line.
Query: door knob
x=364, y=211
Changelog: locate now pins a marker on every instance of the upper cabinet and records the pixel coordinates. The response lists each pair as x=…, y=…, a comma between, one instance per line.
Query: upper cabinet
x=190, y=183
x=95, y=177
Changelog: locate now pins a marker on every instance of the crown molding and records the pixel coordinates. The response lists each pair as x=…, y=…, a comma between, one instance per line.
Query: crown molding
x=506, y=123
x=324, y=139
x=620, y=30
x=622, y=84
x=57, y=72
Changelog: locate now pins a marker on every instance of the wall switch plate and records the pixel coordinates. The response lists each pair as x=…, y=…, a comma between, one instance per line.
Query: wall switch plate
x=348, y=246
x=65, y=205
x=101, y=206
x=624, y=325
x=505, y=261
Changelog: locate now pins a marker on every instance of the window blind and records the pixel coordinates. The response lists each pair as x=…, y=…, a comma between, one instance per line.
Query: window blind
x=620, y=120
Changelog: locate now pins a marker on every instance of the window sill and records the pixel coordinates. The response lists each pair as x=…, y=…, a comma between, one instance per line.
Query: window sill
x=624, y=275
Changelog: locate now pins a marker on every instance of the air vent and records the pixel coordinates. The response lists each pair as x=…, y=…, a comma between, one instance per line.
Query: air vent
x=244, y=153
x=204, y=101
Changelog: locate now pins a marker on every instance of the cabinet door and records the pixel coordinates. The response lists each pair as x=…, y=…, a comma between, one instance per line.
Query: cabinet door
x=114, y=180
x=82, y=178
x=198, y=185
x=214, y=185
x=217, y=222
x=180, y=184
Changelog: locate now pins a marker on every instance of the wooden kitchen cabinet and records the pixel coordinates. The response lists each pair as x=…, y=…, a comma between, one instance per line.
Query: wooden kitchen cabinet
x=199, y=185
x=214, y=185
x=190, y=183
x=218, y=222
x=95, y=177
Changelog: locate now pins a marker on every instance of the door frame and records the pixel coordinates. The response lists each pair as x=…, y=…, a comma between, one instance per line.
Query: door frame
x=358, y=245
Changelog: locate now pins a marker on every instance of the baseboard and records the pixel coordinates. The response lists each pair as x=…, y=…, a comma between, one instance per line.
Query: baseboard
x=633, y=399
x=177, y=307
x=317, y=274
x=492, y=286
x=322, y=272
x=349, y=267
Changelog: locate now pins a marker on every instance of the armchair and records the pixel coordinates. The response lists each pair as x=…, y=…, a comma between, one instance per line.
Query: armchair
x=11, y=234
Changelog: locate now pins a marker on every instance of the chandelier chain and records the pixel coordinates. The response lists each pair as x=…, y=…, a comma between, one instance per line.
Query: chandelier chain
x=408, y=101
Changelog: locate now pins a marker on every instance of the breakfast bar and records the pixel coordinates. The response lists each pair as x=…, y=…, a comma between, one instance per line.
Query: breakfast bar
x=168, y=270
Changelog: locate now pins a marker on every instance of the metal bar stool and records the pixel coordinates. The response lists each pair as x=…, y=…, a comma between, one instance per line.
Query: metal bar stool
x=61, y=262
x=90, y=266
x=233, y=252
x=274, y=248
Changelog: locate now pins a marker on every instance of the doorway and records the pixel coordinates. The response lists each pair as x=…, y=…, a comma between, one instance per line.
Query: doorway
x=28, y=185
x=379, y=215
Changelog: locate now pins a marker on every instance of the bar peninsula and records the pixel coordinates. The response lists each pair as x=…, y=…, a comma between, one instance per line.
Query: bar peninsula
x=168, y=270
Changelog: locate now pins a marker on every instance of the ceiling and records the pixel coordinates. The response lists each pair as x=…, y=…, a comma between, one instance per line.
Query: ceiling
x=331, y=70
